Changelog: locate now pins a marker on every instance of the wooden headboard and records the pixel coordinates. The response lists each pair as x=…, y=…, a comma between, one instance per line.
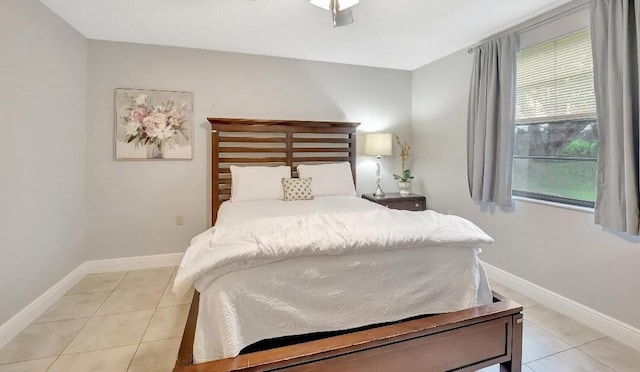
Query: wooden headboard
x=274, y=142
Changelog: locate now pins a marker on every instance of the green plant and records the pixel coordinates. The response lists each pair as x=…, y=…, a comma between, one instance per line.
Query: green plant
x=406, y=175
x=581, y=148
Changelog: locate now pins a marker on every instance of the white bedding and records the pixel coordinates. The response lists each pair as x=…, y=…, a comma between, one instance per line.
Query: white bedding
x=232, y=213
x=356, y=264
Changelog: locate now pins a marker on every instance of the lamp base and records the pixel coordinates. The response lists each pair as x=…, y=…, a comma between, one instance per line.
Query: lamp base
x=379, y=193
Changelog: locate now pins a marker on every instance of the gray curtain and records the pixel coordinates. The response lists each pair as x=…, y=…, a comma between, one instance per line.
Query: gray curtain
x=614, y=36
x=490, y=124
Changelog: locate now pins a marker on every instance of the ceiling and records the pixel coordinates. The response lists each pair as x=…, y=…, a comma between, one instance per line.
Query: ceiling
x=398, y=34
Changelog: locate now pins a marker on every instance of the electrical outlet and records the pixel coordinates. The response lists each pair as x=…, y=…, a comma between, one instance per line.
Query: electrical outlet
x=179, y=220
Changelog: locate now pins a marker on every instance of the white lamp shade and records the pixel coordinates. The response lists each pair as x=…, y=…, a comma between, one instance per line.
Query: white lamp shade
x=344, y=4
x=378, y=144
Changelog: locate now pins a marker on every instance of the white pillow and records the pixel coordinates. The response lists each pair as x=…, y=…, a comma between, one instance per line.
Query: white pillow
x=258, y=183
x=329, y=179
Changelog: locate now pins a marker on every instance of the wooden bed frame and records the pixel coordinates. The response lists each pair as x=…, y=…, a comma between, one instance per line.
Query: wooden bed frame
x=464, y=340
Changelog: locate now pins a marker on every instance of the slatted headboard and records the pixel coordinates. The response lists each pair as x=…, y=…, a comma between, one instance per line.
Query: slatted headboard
x=274, y=142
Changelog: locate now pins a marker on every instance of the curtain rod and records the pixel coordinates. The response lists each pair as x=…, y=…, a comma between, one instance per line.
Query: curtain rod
x=536, y=22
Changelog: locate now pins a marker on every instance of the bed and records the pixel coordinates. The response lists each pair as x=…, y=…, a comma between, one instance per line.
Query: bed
x=378, y=321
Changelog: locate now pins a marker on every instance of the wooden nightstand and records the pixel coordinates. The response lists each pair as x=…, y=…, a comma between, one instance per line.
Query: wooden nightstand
x=394, y=200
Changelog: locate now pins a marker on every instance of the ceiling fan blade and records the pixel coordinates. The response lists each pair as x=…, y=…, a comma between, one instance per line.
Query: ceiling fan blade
x=340, y=17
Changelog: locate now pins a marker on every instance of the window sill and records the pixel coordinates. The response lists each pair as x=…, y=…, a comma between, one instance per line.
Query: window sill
x=552, y=204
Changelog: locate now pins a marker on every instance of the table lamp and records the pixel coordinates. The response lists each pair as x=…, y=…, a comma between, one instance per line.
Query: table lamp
x=378, y=145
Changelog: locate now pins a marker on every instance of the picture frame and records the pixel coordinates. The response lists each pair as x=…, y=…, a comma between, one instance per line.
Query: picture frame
x=153, y=124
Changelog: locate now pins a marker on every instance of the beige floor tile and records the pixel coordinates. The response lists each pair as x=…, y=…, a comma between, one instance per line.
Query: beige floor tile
x=82, y=305
x=123, y=300
x=513, y=295
x=537, y=343
x=147, y=278
x=170, y=299
x=568, y=330
x=614, y=354
x=167, y=322
x=98, y=283
x=570, y=360
x=107, y=331
x=39, y=341
x=157, y=356
x=496, y=368
x=38, y=365
x=107, y=360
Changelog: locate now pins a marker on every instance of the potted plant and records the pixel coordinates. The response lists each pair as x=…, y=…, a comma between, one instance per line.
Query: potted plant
x=404, y=178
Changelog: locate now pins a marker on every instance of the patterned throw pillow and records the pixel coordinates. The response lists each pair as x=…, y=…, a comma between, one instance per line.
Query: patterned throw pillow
x=297, y=189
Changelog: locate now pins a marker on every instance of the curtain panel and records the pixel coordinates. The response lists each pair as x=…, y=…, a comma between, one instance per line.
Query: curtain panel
x=491, y=119
x=615, y=25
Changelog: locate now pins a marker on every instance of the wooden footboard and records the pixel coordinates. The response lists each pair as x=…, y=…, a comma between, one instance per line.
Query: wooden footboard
x=464, y=340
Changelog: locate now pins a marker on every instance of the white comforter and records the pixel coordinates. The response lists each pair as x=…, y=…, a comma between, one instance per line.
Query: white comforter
x=228, y=248
x=321, y=267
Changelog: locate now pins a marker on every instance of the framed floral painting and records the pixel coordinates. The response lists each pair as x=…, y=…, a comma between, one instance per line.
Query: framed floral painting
x=153, y=124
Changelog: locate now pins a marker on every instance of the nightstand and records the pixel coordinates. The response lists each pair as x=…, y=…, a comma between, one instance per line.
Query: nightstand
x=394, y=200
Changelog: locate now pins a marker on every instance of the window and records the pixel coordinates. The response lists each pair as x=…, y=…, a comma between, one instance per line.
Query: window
x=556, y=134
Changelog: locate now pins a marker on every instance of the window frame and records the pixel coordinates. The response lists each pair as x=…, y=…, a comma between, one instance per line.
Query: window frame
x=581, y=117
x=554, y=199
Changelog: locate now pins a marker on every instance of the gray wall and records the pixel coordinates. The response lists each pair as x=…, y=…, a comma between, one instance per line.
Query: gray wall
x=133, y=204
x=559, y=249
x=43, y=64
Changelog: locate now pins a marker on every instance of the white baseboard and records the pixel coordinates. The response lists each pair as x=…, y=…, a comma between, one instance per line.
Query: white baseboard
x=31, y=312
x=133, y=263
x=37, y=307
x=605, y=324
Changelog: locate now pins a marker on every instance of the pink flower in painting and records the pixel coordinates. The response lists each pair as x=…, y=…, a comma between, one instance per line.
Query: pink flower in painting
x=148, y=122
x=138, y=115
x=159, y=119
x=177, y=113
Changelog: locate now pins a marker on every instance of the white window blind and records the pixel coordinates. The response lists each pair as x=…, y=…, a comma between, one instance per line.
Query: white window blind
x=555, y=80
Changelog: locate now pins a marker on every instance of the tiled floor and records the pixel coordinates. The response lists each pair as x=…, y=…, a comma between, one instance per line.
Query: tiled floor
x=131, y=321
x=553, y=342
x=125, y=321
